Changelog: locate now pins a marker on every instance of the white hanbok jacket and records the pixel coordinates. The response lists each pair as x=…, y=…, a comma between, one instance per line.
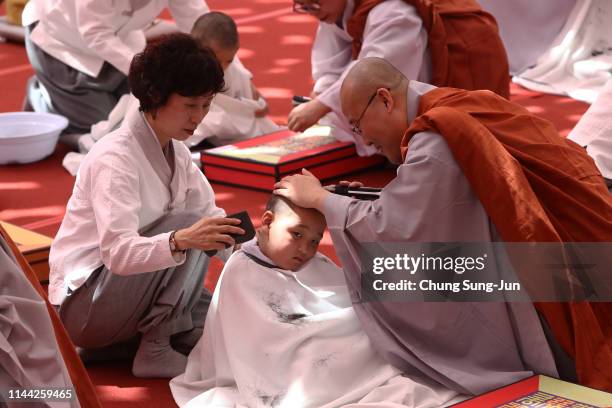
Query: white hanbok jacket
x=123, y=186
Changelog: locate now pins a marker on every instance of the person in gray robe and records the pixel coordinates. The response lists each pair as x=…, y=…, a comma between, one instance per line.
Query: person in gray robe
x=469, y=347
x=29, y=353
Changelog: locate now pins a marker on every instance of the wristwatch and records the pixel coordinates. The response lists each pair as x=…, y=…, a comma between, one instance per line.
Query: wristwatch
x=173, y=246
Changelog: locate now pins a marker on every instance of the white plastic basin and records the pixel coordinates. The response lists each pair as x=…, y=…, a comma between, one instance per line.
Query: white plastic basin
x=26, y=137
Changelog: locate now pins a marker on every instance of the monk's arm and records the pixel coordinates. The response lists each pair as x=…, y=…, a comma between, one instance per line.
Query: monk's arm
x=429, y=200
x=331, y=54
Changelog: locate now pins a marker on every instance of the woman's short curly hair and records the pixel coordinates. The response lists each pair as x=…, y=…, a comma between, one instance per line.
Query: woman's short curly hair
x=173, y=63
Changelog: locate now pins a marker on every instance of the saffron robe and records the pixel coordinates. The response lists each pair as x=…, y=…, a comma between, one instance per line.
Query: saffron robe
x=535, y=186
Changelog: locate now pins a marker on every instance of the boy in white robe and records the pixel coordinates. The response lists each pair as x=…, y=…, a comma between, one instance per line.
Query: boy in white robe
x=281, y=331
x=239, y=112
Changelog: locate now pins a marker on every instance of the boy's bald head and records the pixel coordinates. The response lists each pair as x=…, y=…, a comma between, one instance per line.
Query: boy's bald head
x=216, y=28
x=289, y=234
x=281, y=206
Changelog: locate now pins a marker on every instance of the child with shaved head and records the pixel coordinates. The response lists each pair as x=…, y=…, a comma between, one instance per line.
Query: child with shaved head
x=218, y=31
x=290, y=235
x=281, y=330
x=225, y=123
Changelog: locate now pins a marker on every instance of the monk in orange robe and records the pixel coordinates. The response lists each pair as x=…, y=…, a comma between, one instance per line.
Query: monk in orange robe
x=463, y=40
x=473, y=167
x=441, y=42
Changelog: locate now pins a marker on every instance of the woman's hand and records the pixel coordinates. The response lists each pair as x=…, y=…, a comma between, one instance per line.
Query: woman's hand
x=208, y=234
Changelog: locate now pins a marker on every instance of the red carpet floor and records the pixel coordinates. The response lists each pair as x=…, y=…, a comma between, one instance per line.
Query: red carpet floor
x=276, y=48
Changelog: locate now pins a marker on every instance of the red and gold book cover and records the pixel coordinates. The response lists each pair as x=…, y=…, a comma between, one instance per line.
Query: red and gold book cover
x=540, y=392
x=261, y=161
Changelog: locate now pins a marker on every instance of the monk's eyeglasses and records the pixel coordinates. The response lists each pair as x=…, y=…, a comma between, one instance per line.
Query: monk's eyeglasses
x=356, y=129
x=306, y=7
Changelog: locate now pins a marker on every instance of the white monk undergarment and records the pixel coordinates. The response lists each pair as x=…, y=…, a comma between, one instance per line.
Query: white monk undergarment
x=594, y=130
x=291, y=339
x=579, y=61
x=528, y=27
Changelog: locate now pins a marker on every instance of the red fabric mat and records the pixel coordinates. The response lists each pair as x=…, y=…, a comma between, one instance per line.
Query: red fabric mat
x=563, y=112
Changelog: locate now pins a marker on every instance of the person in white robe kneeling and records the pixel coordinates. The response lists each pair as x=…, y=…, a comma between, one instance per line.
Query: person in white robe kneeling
x=281, y=331
x=129, y=259
x=238, y=112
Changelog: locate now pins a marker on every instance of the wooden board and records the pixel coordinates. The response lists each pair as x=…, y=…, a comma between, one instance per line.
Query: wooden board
x=34, y=246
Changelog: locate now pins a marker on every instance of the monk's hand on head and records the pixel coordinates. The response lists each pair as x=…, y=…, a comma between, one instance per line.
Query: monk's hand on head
x=306, y=114
x=208, y=234
x=304, y=190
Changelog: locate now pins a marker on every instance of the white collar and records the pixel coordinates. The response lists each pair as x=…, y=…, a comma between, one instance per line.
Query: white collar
x=416, y=89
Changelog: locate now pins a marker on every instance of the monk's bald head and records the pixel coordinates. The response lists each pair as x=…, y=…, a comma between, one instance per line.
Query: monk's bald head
x=365, y=77
x=373, y=97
